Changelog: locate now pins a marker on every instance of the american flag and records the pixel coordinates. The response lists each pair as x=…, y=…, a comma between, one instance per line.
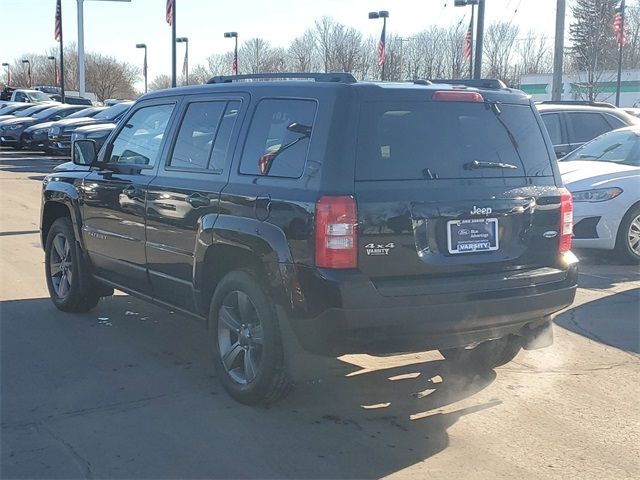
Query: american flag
x=234, y=65
x=619, y=28
x=170, y=7
x=467, y=42
x=58, y=28
x=380, y=51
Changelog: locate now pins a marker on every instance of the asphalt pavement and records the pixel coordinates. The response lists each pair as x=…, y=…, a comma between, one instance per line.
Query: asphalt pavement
x=128, y=390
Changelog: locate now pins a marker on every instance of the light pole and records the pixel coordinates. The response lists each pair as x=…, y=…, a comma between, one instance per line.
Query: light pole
x=8, y=72
x=81, y=80
x=144, y=65
x=234, y=65
x=402, y=42
x=185, y=65
x=382, y=44
x=55, y=69
x=28, y=70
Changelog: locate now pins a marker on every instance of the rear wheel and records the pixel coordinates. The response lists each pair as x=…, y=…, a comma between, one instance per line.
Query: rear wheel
x=490, y=354
x=628, y=240
x=246, y=340
x=65, y=270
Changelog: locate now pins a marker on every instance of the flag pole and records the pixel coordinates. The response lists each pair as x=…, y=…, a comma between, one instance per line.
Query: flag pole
x=173, y=46
x=620, y=38
x=61, y=54
x=473, y=11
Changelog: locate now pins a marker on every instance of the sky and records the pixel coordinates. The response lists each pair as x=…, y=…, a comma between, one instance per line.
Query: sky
x=114, y=28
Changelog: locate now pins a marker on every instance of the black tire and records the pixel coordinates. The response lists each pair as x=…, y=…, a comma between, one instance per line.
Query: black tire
x=69, y=287
x=490, y=354
x=628, y=224
x=269, y=382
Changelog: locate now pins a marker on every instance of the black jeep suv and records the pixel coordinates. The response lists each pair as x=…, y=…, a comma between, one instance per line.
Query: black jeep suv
x=323, y=213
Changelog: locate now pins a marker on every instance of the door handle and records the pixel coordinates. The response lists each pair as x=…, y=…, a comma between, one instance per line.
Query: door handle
x=197, y=200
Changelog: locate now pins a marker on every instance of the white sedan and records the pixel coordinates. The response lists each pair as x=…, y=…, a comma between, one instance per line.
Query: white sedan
x=603, y=177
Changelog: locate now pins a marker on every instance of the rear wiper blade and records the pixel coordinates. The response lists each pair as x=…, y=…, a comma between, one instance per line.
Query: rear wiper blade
x=476, y=164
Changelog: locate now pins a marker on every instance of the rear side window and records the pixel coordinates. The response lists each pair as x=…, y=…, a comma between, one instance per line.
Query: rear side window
x=615, y=122
x=429, y=140
x=584, y=126
x=552, y=122
x=278, y=138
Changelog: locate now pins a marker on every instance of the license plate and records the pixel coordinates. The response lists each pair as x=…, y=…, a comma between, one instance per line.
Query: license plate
x=472, y=235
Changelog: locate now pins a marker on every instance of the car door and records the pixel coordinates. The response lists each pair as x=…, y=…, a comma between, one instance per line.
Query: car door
x=585, y=126
x=555, y=123
x=186, y=191
x=114, y=195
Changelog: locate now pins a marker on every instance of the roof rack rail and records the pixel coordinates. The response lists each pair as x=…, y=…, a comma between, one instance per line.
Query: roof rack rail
x=420, y=81
x=477, y=83
x=338, y=77
x=577, y=102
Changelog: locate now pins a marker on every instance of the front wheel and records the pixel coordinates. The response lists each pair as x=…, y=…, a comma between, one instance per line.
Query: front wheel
x=64, y=269
x=628, y=240
x=490, y=354
x=246, y=340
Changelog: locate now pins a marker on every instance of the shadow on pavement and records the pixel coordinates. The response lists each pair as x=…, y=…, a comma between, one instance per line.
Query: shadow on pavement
x=29, y=163
x=128, y=391
x=612, y=320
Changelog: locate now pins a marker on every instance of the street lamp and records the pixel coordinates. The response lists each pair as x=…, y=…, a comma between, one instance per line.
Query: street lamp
x=185, y=66
x=144, y=65
x=29, y=69
x=8, y=72
x=234, y=65
x=383, y=14
x=55, y=69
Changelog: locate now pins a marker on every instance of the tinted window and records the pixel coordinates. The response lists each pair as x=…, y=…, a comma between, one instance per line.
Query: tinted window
x=585, y=126
x=9, y=109
x=552, y=122
x=196, y=135
x=415, y=140
x=221, y=147
x=614, y=122
x=618, y=147
x=85, y=112
x=139, y=141
x=273, y=141
x=31, y=110
x=20, y=97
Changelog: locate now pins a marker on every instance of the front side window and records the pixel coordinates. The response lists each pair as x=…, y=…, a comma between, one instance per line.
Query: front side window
x=586, y=126
x=279, y=137
x=139, y=141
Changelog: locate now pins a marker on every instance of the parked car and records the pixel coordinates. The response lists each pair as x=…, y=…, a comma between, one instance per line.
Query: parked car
x=571, y=124
x=335, y=215
x=29, y=96
x=11, y=130
x=604, y=179
x=98, y=133
x=60, y=133
x=27, y=112
x=36, y=137
x=11, y=109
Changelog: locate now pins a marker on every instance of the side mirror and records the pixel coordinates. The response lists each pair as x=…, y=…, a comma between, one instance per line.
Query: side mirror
x=300, y=128
x=84, y=152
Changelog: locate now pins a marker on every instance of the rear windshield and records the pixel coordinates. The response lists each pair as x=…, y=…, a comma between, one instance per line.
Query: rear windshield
x=418, y=140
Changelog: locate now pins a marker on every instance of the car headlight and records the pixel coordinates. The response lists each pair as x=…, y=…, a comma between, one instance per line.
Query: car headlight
x=596, y=195
x=15, y=126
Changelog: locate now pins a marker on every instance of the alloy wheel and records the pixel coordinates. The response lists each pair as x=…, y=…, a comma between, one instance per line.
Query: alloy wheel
x=240, y=337
x=633, y=235
x=61, y=265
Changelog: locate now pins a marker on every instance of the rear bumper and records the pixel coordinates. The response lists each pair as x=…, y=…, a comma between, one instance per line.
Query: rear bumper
x=423, y=322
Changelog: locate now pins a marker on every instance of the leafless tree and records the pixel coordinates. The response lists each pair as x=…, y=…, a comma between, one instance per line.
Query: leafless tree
x=160, y=82
x=499, y=43
x=533, y=54
x=302, y=53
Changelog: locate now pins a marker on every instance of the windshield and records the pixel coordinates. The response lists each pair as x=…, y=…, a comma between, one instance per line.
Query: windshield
x=85, y=112
x=617, y=147
x=112, y=112
x=416, y=140
x=37, y=96
x=47, y=113
x=27, y=112
x=9, y=109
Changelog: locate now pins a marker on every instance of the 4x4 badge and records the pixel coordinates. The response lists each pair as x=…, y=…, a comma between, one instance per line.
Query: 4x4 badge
x=375, y=249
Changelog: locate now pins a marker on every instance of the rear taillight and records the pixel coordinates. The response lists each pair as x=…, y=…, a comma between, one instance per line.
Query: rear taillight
x=566, y=220
x=336, y=232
